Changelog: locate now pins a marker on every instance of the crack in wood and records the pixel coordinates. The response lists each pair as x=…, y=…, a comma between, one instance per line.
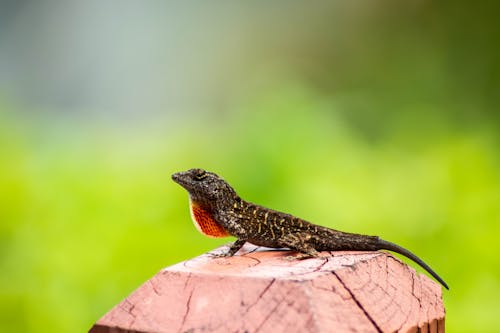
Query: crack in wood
x=273, y=310
x=154, y=287
x=129, y=308
x=252, y=258
x=188, y=278
x=188, y=308
x=320, y=266
x=358, y=303
x=259, y=298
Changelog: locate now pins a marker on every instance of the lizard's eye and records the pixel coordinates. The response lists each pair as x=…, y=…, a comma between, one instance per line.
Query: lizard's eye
x=200, y=174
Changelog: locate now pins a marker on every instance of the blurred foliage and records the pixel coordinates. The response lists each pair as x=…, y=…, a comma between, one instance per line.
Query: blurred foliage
x=381, y=121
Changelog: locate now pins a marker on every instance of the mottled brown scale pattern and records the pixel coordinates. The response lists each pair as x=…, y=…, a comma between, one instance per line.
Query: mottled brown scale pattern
x=222, y=212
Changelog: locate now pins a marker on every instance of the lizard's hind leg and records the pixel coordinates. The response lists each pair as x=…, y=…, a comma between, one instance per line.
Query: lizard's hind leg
x=299, y=242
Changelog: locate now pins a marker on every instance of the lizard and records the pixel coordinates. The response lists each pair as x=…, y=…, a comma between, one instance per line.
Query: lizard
x=218, y=211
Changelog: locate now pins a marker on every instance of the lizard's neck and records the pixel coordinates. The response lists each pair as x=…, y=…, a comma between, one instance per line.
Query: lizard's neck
x=204, y=220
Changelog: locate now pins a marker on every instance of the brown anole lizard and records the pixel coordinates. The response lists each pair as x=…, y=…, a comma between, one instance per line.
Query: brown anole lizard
x=217, y=211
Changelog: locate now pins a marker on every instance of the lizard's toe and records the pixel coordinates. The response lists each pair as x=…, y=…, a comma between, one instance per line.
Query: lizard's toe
x=219, y=254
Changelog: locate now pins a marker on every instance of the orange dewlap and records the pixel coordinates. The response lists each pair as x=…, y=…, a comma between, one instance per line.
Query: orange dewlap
x=205, y=223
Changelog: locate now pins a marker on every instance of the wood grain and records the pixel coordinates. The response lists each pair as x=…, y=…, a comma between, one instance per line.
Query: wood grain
x=259, y=290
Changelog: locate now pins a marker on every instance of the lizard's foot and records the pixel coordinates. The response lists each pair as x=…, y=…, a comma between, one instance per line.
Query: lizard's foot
x=300, y=256
x=220, y=255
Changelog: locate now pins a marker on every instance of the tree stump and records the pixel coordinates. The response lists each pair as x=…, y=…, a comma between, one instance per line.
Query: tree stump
x=259, y=290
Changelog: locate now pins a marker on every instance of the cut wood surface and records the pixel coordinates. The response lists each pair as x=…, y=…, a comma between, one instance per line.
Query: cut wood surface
x=259, y=290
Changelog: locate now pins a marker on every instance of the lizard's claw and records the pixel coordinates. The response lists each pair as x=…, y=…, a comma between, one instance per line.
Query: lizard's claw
x=220, y=255
x=300, y=256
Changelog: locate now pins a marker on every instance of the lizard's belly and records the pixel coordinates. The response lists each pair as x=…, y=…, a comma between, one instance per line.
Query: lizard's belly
x=267, y=242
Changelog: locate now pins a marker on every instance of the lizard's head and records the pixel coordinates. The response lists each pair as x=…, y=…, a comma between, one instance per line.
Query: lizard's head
x=205, y=187
x=207, y=193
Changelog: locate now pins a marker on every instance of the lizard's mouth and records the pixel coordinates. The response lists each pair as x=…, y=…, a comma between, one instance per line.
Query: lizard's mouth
x=179, y=178
x=184, y=180
x=176, y=176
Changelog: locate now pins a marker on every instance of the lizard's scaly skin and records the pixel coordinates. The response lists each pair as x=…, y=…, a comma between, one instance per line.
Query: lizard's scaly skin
x=218, y=211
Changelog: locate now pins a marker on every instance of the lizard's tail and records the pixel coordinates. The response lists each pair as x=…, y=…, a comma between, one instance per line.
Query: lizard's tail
x=385, y=245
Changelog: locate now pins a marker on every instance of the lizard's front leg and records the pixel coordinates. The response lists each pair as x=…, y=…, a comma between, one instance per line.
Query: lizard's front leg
x=238, y=244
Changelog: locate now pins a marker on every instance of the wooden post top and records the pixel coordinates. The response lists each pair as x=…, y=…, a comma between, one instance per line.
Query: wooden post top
x=259, y=290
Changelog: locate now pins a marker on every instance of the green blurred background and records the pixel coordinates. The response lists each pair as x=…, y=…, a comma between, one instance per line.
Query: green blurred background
x=371, y=117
